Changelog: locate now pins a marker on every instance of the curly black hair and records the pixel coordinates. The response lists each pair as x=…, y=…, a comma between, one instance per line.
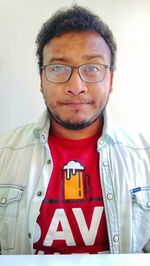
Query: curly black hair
x=74, y=19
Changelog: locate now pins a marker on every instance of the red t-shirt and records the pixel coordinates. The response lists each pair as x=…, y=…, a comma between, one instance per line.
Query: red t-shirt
x=72, y=216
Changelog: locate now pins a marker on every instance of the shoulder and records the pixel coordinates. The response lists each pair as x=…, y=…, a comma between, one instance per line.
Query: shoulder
x=18, y=137
x=125, y=134
x=131, y=137
x=25, y=135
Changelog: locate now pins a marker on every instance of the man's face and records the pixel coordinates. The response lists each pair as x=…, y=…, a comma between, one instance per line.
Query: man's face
x=76, y=104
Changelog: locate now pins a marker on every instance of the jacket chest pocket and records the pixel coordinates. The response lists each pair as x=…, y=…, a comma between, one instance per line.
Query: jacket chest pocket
x=141, y=217
x=10, y=196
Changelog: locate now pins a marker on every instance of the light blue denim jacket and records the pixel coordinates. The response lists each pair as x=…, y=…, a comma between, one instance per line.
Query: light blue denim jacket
x=25, y=169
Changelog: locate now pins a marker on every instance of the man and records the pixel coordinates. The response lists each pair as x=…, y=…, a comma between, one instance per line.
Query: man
x=73, y=182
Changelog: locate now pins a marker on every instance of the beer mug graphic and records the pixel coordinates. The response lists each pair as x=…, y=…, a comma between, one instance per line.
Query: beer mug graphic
x=74, y=181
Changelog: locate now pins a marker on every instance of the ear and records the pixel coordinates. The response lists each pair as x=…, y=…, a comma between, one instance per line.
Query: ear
x=41, y=83
x=111, y=81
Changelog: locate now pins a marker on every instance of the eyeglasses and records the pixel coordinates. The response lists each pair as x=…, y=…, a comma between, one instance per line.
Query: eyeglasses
x=61, y=73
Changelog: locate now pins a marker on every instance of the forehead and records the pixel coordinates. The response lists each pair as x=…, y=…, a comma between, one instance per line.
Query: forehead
x=76, y=46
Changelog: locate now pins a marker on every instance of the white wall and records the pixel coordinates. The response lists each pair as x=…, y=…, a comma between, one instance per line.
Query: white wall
x=20, y=20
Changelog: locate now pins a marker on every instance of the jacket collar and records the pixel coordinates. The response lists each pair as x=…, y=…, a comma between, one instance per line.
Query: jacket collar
x=111, y=132
x=42, y=125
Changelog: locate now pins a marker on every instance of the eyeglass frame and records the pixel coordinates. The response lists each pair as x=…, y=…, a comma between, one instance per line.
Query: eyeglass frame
x=72, y=69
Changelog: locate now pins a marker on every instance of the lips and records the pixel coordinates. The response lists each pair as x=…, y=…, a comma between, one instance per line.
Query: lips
x=76, y=104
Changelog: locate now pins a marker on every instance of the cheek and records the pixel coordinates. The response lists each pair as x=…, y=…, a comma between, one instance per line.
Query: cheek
x=100, y=94
x=51, y=96
x=99, y=91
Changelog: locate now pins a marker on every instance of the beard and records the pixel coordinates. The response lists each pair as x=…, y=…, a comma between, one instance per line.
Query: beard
x=68, y=124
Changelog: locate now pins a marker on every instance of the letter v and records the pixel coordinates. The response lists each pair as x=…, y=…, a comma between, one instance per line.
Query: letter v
x=88, y=235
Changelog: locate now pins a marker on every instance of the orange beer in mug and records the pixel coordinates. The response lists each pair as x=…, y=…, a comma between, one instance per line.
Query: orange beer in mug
x=73, y=176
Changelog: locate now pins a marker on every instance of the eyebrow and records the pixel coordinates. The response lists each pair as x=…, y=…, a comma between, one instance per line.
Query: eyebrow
x=89, y=57
x=62, y=59
x=85, y=57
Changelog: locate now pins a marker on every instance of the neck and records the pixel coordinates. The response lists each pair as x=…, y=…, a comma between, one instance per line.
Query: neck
x=93, y=129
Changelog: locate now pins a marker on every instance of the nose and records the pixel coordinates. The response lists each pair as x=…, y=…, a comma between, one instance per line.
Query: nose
x=75, y=84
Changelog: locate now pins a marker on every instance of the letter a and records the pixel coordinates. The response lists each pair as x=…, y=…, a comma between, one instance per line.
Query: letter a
x=66, y=233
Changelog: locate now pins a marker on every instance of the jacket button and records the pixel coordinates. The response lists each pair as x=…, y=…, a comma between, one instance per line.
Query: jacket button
x=105, y=163
x=29, y=235
x=109, y=196
x=43, y=139
x=3, y=201
x=101, y=142
x=115, y=238
x=39, y=193
x=48, y=161
x=148, y=204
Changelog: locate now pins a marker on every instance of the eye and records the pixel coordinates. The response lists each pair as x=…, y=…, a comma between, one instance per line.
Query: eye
x=57, y=68
x=91, y=69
